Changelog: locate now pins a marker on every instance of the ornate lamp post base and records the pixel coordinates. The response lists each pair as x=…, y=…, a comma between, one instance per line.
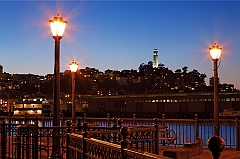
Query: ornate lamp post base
x=216, y=144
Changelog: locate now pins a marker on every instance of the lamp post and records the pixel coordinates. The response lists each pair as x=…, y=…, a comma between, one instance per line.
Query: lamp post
x=57, y=25
x=215, y=52
x=73, y=68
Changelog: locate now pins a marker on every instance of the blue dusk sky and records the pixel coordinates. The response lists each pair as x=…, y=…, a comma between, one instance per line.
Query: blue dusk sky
x=121, y=35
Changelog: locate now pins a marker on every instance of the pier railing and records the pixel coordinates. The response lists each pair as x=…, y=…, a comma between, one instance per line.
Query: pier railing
x=186, y=129
x=29, y=141
x=83, y=147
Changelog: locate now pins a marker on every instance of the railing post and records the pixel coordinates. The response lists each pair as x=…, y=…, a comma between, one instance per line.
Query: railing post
x=9, y=118
x=19, y=143
x=134, y=119
x=163, y=119
x=3, y=138
x=156, y=136
x=84, y=117
x=35, y=140
x=108, y=119
x=85, y=134
x=196, y=125
x=79, y=124
x=163, y=124
x=67, y=145
x=62, y=114
x=120, y=121
x=114, y=120
x=237, y=134
x=125, y=143
x=69, y=123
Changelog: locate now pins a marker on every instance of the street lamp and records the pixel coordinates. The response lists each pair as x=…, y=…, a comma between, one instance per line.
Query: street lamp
x=215, y=52
x=73, y=68
x=57, y=25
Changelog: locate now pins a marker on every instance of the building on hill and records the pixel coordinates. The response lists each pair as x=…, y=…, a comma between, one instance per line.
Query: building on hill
x=155, y=58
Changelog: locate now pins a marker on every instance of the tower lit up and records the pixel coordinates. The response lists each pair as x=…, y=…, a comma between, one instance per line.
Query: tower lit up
x=155, y=58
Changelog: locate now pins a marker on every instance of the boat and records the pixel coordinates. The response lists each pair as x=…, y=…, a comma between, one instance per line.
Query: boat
x=32, y=107
x=229, y=113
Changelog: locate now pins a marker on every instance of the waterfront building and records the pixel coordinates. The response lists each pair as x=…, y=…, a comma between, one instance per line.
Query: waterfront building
x=149, y=105
x=32, y=107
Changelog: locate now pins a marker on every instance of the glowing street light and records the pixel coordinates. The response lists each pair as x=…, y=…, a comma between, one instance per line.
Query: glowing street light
x=73, y=68
x=216, y=144
x=215, y=52
x=57, y=25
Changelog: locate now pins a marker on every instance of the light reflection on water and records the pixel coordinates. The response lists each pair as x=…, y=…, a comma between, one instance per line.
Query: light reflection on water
x=40, y=123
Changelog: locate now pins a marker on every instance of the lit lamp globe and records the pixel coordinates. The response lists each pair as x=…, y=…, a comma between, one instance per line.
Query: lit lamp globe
x=73, y=66
x=215, y=52
x=57, y=26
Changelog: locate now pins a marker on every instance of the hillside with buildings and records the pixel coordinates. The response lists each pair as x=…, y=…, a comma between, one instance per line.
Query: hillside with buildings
x=146, y=80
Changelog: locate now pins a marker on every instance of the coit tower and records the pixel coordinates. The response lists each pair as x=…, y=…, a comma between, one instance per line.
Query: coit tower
x=155, y=58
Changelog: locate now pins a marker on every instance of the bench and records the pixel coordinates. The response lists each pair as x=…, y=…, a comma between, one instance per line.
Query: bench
x=166, y=136
x=187, y=151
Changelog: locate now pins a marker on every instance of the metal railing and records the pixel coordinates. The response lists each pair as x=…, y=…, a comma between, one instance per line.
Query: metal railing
x=79, y=146
x=186, y=130
x=27, y=141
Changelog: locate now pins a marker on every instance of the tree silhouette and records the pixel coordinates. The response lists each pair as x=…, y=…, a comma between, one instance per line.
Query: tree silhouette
x=178, y=71
x=161, y=66
x=185, y=69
